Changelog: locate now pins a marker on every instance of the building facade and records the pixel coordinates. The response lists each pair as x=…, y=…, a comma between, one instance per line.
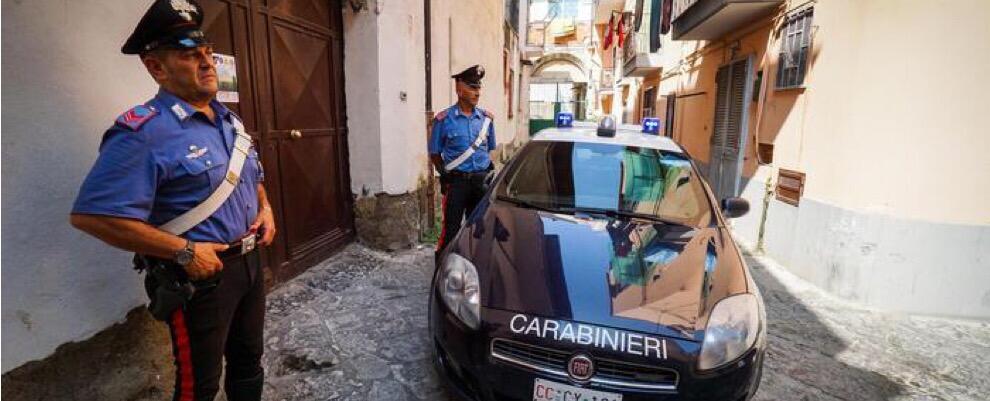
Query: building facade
x=855, y=131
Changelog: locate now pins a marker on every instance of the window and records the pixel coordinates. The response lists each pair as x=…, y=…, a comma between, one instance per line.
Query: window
x=649, y=103
x=569, y=177
x=794, y=45
x=509, y=87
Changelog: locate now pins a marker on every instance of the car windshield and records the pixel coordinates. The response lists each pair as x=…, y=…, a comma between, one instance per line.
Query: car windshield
x=611, y=179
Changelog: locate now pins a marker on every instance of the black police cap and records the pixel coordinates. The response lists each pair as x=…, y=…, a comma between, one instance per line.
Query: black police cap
x=167, y=24
x=471, y=76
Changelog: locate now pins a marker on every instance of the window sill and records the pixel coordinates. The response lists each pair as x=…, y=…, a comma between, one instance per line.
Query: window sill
x=799, y=88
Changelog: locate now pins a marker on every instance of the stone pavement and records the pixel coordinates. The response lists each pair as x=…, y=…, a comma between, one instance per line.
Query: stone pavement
x=355, y=328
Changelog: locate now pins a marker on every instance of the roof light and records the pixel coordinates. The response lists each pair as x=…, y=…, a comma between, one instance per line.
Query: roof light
x=565, y=120
x=606, y=127
x=651, y=125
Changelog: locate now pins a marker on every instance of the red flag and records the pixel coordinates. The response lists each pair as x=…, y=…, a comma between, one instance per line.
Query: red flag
x=622, y=26
x=607, y=41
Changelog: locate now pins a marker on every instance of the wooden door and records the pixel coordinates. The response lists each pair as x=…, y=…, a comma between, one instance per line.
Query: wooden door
x=289, y=53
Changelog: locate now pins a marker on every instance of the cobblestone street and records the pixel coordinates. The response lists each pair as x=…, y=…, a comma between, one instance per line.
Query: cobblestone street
x=355, y=328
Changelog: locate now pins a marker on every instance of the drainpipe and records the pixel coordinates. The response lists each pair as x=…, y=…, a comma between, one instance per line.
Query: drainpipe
x=427, y=47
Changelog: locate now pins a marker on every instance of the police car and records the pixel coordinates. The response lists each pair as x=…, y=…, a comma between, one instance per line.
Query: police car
x=598, y=268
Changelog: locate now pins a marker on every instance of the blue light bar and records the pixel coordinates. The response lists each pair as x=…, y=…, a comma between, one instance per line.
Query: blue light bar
x=651, y=125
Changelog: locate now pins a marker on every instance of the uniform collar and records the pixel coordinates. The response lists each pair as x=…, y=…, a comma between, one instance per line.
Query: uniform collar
x=475, y=113
x=182, y=110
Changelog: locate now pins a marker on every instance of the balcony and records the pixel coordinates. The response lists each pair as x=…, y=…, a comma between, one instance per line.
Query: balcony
x=638, y=61
x=712, y=19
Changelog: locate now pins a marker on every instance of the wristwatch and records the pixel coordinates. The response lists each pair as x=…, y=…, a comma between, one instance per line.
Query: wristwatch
x=185, y=255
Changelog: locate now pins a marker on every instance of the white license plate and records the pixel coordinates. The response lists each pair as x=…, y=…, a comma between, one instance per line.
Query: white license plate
x=545, y=390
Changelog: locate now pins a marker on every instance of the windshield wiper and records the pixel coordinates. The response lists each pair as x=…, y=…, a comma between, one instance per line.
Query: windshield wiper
x=625, y=214
x=525, y=204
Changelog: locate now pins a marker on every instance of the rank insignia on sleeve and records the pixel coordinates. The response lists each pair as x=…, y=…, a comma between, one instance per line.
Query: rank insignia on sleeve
x=136, y=117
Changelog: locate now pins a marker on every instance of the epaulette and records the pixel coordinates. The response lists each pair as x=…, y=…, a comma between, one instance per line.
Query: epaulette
x=134, y=118
x=441, y=115
x=487, y=113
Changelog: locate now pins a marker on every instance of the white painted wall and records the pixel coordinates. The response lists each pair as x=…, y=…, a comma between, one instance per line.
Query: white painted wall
x=383, y=49
x=361, y=90
x=64, y=83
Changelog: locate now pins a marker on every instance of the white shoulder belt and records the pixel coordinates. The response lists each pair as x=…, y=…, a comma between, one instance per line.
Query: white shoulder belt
x=196, y=215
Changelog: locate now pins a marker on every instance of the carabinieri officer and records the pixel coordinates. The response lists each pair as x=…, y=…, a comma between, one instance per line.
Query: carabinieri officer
x=164, y=158
x=460, y=144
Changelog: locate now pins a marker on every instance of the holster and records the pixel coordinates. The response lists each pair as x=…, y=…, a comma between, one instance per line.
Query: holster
x=167, y=287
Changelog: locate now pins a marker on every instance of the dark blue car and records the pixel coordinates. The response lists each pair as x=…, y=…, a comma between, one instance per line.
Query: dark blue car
x=598, y=268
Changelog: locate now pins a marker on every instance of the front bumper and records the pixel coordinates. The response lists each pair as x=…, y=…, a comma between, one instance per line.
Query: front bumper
x=464, y=358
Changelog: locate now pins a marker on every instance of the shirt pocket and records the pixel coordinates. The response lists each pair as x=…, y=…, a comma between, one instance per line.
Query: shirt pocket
x=457, y=140
x=203, y=170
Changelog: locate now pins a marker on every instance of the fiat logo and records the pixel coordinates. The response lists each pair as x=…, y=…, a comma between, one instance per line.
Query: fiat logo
x=580, y=367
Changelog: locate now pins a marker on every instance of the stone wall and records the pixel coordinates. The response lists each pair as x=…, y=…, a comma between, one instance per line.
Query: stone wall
x=127, y=361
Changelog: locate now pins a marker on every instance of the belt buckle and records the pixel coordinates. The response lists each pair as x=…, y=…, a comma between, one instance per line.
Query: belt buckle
x=248, y=244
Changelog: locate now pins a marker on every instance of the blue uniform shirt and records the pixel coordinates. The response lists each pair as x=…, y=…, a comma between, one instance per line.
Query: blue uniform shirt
x=455, y=132
x=164, y=158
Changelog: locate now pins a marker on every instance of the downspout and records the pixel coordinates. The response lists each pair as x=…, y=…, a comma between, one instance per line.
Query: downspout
x=430, y=182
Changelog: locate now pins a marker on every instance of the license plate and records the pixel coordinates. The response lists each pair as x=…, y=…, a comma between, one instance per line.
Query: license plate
x=545, y=390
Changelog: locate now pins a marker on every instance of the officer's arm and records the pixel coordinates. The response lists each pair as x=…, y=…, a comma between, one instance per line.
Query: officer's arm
x=435, y=142
x=437, y=163
x=129, y=234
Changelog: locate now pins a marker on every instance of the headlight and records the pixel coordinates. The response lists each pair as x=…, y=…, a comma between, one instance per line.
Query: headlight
x=459, y=288
x=732, y=330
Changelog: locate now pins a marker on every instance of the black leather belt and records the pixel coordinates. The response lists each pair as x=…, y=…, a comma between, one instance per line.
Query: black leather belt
x=462, y=174
x=241, y=247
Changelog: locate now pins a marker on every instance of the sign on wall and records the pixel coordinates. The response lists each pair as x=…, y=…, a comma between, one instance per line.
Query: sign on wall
x=226, y=78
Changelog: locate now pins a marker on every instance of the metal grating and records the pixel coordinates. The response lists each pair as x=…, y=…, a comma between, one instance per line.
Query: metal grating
x=608, y=372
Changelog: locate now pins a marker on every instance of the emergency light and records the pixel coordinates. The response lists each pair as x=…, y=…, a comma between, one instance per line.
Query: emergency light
x=651, y=125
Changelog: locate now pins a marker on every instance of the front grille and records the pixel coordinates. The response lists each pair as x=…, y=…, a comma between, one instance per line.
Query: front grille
x=608, y=372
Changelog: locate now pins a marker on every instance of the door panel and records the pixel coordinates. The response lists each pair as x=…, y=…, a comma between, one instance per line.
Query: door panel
x=301, y=79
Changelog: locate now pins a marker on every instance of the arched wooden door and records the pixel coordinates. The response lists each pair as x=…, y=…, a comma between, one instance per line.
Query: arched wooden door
x=290, y=84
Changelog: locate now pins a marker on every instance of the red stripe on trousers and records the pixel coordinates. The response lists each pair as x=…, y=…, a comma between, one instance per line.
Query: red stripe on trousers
x=443, y=222
x=183, y=357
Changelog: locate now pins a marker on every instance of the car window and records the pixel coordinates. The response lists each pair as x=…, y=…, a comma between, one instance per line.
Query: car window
x=566, y=176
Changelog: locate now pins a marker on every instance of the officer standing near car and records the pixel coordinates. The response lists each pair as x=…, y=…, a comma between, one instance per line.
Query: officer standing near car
x=460, y=143
x=178, y=182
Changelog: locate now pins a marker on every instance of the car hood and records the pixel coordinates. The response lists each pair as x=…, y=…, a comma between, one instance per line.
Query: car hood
x=635, y=275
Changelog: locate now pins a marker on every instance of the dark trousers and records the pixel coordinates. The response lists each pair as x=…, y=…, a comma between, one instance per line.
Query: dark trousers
x=226, y=321
x=461, y=194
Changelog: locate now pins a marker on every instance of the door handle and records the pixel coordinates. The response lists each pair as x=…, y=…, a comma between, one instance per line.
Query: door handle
x=295, y=134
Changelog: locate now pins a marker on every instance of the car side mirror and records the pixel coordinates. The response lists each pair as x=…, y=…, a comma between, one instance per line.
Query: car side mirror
x=735, y=207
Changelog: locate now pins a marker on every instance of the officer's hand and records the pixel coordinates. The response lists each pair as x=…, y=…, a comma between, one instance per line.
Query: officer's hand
x=205, y=262
x=265, y=222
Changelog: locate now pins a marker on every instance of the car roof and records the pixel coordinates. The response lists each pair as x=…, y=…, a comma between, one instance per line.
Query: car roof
x=626, y=135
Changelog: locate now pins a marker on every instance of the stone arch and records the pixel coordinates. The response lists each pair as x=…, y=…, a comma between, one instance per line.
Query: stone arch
x=563, y=61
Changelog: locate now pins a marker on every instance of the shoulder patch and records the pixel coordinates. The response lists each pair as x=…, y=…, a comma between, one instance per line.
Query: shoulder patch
x=441, y=115
x=136, y=117
x=488, y=114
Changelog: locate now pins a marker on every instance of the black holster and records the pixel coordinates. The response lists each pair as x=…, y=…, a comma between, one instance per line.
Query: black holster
x=166, y=285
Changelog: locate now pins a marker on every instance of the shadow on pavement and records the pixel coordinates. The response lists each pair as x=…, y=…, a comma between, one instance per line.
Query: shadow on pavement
x=802, y=357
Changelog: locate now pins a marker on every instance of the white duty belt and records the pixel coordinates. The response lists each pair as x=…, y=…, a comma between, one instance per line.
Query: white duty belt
x=482, y=137
x=196, y=215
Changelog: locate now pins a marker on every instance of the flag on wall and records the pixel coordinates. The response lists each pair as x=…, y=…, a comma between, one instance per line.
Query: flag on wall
x=620, y=31
x=607, y=40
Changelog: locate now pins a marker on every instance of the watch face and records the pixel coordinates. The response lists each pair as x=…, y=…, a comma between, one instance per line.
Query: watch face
x=183, y=257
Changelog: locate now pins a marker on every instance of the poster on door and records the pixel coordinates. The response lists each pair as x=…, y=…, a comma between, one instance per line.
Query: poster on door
x=226, y=78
